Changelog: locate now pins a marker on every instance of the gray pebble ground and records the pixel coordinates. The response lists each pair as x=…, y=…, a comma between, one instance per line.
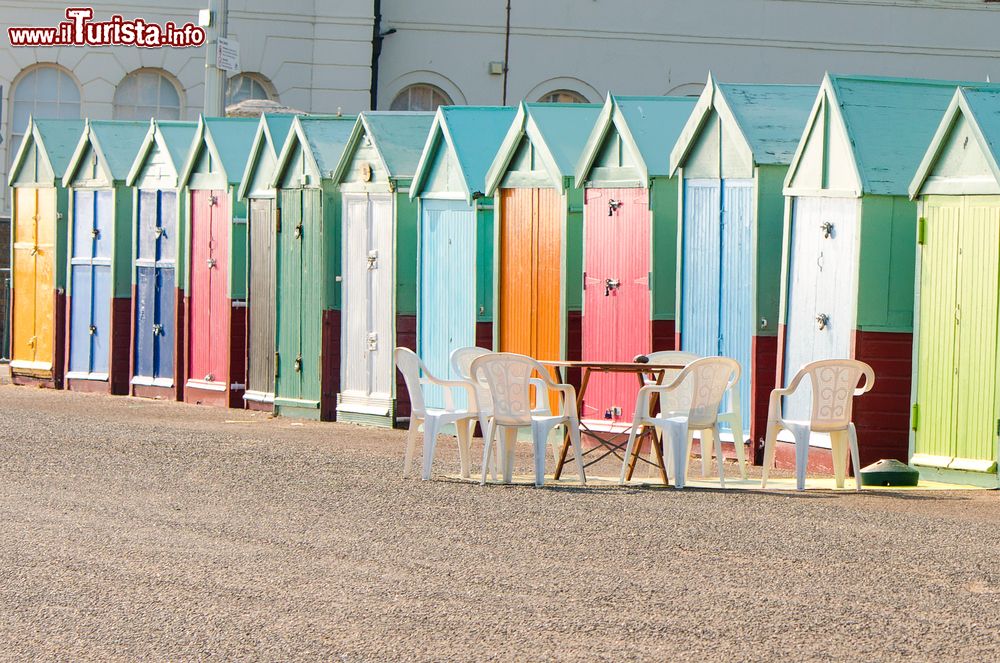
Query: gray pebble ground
x=146, y=530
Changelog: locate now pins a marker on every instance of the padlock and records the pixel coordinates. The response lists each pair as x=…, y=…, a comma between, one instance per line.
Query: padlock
x=609, y=285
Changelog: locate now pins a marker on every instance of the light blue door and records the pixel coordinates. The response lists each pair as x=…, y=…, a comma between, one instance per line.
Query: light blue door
x=447, y=287
x=154, y=306
x=90, y=270
x=701, y=274
x=737, y=281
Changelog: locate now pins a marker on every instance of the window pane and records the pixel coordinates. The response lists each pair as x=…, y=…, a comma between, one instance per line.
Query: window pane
x=420, y=97
x=145, y=94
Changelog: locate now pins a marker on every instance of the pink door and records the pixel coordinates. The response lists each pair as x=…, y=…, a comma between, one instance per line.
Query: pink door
x=616, y=301
x=209, y=304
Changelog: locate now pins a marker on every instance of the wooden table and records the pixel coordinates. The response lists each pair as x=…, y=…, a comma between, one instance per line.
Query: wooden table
x=607, y=439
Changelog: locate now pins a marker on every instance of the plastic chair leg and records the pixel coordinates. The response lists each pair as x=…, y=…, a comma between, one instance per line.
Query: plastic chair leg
x=706, y=455
x=411, y=444
x=679, y=450
x=718, y=454
x=574, y=437
x=852, y=436
x=490, y=433
x=540, y=434
x=736, y=426
x=629, y=446
x=431, y=429
x=463, y=430
x=801, y=458
x=770, y=440
x=839, y=452
x=509, y=447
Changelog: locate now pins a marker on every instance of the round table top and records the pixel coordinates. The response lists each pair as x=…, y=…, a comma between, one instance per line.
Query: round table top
x=611, y=365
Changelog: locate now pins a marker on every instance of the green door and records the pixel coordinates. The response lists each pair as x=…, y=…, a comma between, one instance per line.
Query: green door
x=957, y=347
x=299, y=310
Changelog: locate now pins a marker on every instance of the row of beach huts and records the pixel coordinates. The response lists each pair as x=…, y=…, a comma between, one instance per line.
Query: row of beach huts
x=275, y=264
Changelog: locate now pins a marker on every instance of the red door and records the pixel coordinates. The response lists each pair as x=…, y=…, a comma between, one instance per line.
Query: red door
x=208, y=357
x=616, y=301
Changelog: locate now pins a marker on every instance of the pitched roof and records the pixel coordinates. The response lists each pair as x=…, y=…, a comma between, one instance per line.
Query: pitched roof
x=175, y=136
x=272, y=130
x=115, y=141
x=323, y=139
x=473, y=134
x=59, y=139
x=650, y=125
x=398, y=138
x=229, y=138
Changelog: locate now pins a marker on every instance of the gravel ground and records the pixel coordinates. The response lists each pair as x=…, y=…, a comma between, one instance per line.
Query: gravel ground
x=146, y=530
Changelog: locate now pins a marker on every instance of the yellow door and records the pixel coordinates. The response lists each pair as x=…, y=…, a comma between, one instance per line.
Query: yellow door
x=34, y=279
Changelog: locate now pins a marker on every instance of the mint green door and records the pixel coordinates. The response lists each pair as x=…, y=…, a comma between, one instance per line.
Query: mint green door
x=957, y=346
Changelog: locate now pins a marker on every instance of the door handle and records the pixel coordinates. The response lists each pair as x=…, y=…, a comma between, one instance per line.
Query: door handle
x=609, y=285
x=157, y=329
x=34, y=250
x=373, y=260
x=298, y=231
x=92, y=329
x=159, y=231
x=210, y=262
x=613, y=206
x=827, y=229
x=822, y=321
x=95, y=233
x=298, y=364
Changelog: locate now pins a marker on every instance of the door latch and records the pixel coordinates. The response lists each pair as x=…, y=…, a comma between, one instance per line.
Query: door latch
x=32, y=341
x=609, y=285
x=95, y=233
x=210, y=262
x=298, y=364
x=157, y=329
x=613, y=206
x=298, y=231
x=373, y=260
x=159, y=231
x=34, y=250
x=92, y=329
x=827, y=229
x=372, y=342
x=822, y=321
x=210, y=378
x=213, y=201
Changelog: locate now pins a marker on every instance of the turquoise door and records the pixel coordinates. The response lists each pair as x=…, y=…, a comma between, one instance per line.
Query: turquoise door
x=447, y=287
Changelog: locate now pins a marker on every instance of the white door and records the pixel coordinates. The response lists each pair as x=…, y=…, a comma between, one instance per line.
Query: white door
x=822, y=288
x=368, y=304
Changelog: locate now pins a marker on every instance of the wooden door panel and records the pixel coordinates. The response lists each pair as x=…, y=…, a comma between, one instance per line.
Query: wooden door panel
x=381, y=296
x=26, y=293
x=165, y=339
x=262, y=297
x=289, y=301
x=355, y=294
x=701, y=268
x=516, y=271
x=145, y=318
x=218, y=283
x=736, y=310
x=199, y=335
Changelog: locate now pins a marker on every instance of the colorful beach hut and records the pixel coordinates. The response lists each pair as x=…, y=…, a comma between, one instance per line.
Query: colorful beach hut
x=539, y=234
x=379, y=268
x=255, y=188
x=157, y=314
x=307, y=243
x=456, y=234
x=629, y=241
x=40, y=209
x=731, y=161
x=99, y=301
x=955, y=408
x=850, y=242
x=215, y=235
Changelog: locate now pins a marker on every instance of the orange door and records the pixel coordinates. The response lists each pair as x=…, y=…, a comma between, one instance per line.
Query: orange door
x=530, y=272
x=34, y=279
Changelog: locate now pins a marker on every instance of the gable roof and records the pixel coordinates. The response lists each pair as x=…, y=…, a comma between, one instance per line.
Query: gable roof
x=558, y=132
x=323, y=139
x=173, y=137
x=58, y=139
x=981, y=108
x=649, y=127
x=114, y=141
x=228, y=138
x=272, y=130
x=888, y=122
x=397, y=136
x=472, y=134
x=769, y=118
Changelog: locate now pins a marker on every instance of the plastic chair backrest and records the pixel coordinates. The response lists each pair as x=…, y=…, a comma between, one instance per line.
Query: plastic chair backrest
x=834, y=386
x=710, y=378
x=461, y=362
x=677, y=401
x=508, y=376
x=410, y=366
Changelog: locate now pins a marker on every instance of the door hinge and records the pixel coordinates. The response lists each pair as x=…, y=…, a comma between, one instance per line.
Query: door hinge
x=998, y=427
x=585, y=280
x=914, y=416
x=277, y=357
x=921, y=230
x=649, y=280
x=277, y=220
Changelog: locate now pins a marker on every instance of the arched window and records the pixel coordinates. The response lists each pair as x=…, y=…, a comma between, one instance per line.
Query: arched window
x=249, y=86
x=147, y=93
x=563, y=97
x=44, y=92
x=420, y=97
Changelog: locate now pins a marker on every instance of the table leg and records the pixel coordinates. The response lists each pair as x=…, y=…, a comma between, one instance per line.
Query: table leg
x=579, y=408
x=657, y=444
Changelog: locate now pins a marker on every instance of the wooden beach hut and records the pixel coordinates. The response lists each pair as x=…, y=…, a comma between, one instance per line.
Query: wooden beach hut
x=730, y=162
x=456, y=235
x=215, y=286
x=99, y=300
x=40, y=209
x=306, y=344
x=157, y=313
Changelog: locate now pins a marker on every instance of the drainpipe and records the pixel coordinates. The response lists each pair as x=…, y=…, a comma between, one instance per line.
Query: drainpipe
x=506, y=55
x=377, y=38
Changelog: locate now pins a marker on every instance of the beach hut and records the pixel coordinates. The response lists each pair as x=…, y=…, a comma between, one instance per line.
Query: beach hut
x=215, y=287
x=539, y=233
x=157, y=314
x=629, y=242
x=731, y=161
x=850, y=244
x=255, y=188
x=955, y=406
x=307, y=340
x=40, y=208
x=456, y=235
x=99, y=299
x=379, y=268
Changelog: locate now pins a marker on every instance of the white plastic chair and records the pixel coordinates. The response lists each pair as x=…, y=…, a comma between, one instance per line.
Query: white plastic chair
x=706, y=381
x=508, y=377
x=678, y=402
x=433, y=419
x=461, y=362
x=834, y=386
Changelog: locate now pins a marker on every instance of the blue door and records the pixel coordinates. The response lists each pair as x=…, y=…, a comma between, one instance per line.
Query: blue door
x=447, y=287
x=701, y=276
x=90, y=273
x=154, y=306
x=736, y=300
